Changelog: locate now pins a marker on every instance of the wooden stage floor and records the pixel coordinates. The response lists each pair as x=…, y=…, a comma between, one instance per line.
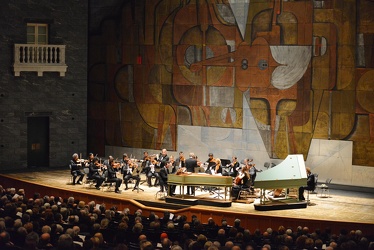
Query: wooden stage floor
x=340, y=206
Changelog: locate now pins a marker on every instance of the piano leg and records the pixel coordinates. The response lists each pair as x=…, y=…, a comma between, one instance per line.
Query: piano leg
x=262, y=196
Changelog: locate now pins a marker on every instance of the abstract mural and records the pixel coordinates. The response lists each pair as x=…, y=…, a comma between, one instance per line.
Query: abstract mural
x=308, y=67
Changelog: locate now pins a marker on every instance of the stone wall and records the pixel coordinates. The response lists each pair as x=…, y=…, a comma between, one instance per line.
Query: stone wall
x=63, y=99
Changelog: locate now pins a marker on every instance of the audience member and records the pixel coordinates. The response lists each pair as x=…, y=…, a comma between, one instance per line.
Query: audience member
x=51, y=222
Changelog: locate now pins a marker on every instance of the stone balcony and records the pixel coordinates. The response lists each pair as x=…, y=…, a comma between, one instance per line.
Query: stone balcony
x=39, y=58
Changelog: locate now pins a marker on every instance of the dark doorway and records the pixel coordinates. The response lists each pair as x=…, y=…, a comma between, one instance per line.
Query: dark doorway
x=38, y=141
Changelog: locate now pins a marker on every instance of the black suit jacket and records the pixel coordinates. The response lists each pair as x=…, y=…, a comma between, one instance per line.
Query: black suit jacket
x=163, y=159
x=93, y=170
x=191, y=164
x=164, y=174
x=311, y=182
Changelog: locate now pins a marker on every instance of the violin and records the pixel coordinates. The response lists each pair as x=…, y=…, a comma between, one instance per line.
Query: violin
x=115, y=164
x=133, y=164
x=181, y=158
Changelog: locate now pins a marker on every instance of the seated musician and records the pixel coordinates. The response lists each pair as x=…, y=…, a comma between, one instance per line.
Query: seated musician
x=310, y=184
x=211, y=161
x=163, y=176
x=75, y=169
x=218, y=167
x=252, y=171
x=95, y=172
x=112, y=169
x=179, y=162
x=127, y=170
x=91, y=157
x=146, y=160
x=242, y=180
x=151, y=172
x=233, y=168
x=215, y=168
x=200, y=165
x=173, y=164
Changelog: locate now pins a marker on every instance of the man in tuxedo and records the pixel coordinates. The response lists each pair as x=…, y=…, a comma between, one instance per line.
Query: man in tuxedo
x=95, y=173
x=310, y=184
x=75, y=169
x=164, y=176
x=191, y=164
x=233, y=168
x=112, y=170
x=162, y=158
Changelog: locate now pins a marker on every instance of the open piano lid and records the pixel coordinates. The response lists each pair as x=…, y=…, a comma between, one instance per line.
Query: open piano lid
x=289, y=173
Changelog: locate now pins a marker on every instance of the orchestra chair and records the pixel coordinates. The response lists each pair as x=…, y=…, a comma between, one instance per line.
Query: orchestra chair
x=323, y=189
x=162, y=194
x=143, y=177
x=312, y=191
x=107, y=184
x=71, y=176
x=133, y=181
x=244, y=193
x=153, y=180
x=89, y=183
x=315, y=184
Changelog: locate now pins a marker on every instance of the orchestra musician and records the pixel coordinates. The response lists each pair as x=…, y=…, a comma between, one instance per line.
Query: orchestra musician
x=218, y=167
x=242, y=180
x=164, y=176
x=173, y=165
x=90, y=159
x=211, y=162
x=162, y=158
x=95, y=172
x=146, y=160
x=128, y=167
x=233, y=168
x=215, y=168
x=173, y=169
x=112, y=169
x=106, y=163
x=310, y=184
x=75, y=169
x=179, y=162
x=151, y=172
x=191, y=164
x=252, y=171
x=200, y=165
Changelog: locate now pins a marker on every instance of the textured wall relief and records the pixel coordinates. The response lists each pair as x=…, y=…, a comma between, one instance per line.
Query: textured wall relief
x=170, y=63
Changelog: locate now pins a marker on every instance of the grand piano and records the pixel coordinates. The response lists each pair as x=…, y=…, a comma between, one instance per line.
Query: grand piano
x=290, y=173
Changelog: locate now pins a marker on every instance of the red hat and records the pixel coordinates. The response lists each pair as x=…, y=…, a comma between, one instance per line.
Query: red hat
x=164, y=235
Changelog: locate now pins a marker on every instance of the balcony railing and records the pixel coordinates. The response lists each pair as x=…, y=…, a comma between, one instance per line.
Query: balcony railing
x=39, y=58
